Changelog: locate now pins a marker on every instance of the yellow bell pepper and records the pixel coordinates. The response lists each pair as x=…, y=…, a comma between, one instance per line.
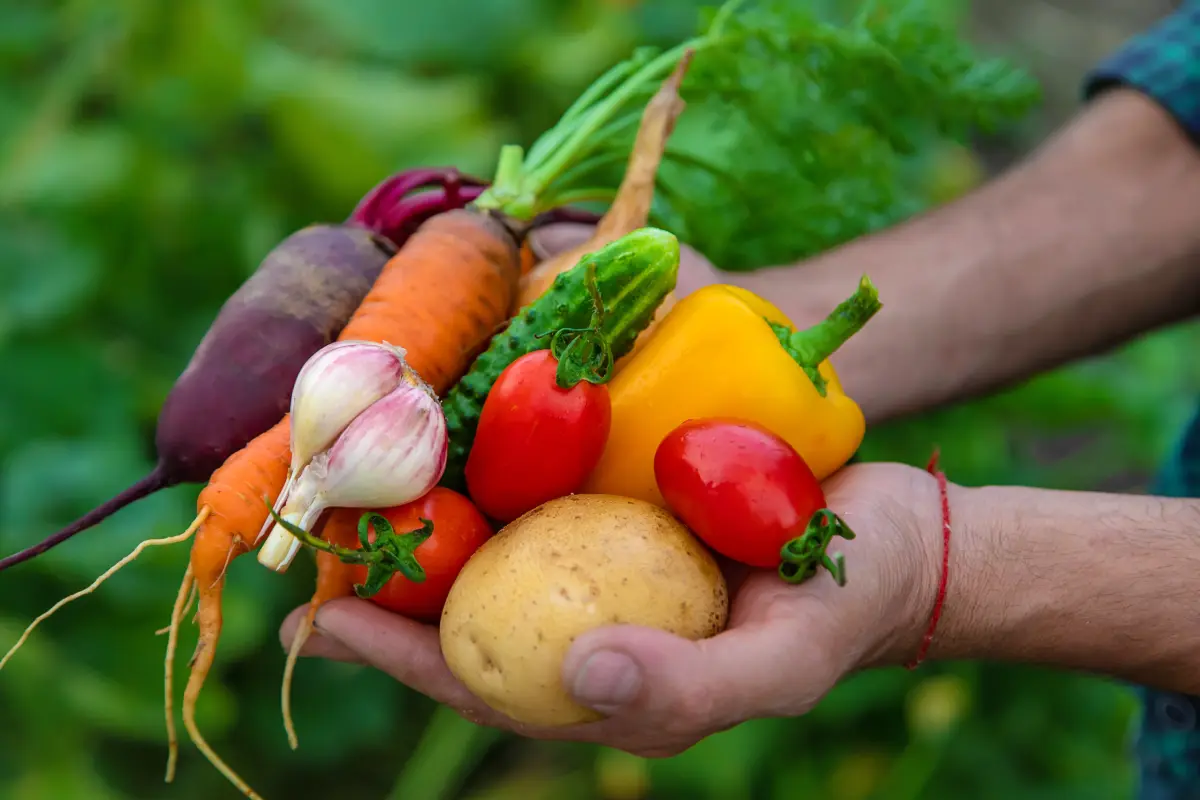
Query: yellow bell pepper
x=723, y=351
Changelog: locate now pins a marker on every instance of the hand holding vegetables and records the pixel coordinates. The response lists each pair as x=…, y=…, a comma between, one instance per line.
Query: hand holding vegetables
x=659, y=693
x=448, y=301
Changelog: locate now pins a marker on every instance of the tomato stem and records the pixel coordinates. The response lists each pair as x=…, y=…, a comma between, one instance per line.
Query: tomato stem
x=803, y=555
x=584, y=354
x=811, y=347
x=388, y=554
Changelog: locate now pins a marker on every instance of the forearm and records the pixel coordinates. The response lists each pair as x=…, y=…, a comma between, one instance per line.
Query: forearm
x=1092, y=240
x=1097, y=582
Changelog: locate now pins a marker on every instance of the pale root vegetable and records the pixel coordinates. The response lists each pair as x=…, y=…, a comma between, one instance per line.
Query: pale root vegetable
x=566, y=567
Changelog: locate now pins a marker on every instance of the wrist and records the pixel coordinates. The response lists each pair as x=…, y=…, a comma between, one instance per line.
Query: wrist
x=978, y=577
x=960, y=576
x=1100, y=583
x=898, y=605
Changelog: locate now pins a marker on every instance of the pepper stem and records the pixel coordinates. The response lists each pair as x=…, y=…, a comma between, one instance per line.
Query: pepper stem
x=584, y=354
x=811, y=347
x=804, y=555
x=390, y=553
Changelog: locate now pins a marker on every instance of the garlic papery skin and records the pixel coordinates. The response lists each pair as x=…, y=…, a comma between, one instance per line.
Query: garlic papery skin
x=394, y=452
x=336, y=384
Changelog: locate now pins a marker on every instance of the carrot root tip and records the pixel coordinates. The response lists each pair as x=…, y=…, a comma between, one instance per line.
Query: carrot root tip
x=182, y=600
x=289, y=669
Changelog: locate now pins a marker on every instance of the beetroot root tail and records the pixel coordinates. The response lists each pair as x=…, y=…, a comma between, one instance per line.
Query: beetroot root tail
x=156, y=480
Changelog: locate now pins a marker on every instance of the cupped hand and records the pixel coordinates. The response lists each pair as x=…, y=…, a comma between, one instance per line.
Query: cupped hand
x=784, y=648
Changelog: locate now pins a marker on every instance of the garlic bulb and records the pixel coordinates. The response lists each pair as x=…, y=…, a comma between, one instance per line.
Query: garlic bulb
x=335, y=385
x=392, y=453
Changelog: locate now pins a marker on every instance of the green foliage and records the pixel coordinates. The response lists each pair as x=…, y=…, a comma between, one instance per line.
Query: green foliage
x=151, y=153
x=804, y=135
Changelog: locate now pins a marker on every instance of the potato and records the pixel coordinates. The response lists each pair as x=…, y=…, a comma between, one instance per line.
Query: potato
x=568, y=566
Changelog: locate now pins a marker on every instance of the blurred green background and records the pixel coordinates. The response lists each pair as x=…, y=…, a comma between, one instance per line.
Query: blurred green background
x=151, y=153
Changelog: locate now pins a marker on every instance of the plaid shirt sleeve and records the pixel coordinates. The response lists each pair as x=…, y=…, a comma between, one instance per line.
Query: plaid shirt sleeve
x=1162, y=63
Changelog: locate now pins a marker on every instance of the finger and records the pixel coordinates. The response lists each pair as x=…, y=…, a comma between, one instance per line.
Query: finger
x=317, y=646
x=411, y=653
x=774, y=664
x=408, y=651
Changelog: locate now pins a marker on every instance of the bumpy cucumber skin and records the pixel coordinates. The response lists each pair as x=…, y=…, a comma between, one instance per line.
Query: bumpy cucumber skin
x=634, y=276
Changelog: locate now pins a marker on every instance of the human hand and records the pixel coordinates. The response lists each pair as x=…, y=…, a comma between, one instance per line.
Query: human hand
x=695, y=271
x=784, y=648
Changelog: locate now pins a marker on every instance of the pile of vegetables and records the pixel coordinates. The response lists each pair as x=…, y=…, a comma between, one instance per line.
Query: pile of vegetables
x=518, y=451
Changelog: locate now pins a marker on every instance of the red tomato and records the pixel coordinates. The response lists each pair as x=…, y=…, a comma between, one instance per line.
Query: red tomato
x=458, y=531
x=739, y=487
x=536, y=441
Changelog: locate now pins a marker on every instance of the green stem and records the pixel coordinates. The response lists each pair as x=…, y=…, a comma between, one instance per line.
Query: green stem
x=722, y=16
x=577, y=171
x=804, y=555
x=509, y=180
x=388, y=554
x=541, y=175
x=602, y=85
x=811, y=347
x=584, y=354
x=522, y=187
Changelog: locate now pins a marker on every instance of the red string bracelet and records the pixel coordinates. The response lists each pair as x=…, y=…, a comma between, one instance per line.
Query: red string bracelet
x=932, y=467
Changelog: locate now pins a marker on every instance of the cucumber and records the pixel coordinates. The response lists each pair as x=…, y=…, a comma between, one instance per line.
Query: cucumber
x=634, y=275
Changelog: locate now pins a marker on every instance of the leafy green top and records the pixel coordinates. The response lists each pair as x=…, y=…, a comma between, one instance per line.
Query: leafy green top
x=800, y=133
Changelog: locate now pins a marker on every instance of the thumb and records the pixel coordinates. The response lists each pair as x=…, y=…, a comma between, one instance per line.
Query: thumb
x=774, y=667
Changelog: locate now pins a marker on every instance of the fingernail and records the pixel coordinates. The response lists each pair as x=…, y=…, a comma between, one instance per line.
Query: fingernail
x=607, y=680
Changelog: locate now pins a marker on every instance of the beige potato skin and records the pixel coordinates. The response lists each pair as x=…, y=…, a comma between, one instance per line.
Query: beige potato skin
x=568, y=566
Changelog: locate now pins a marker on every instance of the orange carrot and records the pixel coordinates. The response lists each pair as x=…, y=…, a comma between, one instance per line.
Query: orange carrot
x=183, y=601
x=442, y=295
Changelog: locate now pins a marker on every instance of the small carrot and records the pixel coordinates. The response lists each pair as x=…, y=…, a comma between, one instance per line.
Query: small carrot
x=232, y=503
x=183, y=601
x=335, y=578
